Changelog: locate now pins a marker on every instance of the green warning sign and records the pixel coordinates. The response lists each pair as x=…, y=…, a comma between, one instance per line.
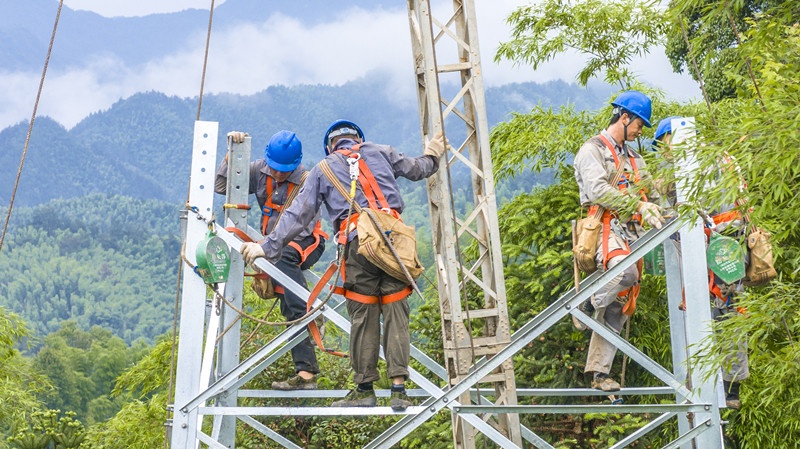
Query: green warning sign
x=213, y=259
x=725, y=258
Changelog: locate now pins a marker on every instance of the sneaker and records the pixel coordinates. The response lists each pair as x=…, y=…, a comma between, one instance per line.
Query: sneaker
x=296, y=383
x=604, y=383
x=357, y=398
x=587, y=308
x=400, y=401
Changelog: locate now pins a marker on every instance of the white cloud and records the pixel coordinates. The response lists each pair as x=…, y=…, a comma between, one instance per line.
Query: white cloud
x=252, y=56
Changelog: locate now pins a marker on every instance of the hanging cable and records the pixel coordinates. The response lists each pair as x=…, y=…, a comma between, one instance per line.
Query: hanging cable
x=180, y=263
x=205, y=59
x=30, y=125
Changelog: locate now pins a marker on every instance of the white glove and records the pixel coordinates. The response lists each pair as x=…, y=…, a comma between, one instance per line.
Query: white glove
x=436, y=146
x=651, y=214
x=237, y=136
x=251, y=251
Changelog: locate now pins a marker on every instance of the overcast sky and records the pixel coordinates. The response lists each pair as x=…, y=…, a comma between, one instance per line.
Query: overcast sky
x=269, y=57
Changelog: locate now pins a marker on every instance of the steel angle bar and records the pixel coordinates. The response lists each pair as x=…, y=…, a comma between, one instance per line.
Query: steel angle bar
x=580, y=409
x=211, y=442
x=275, y=436
x=234, y=242
x=224, y=382
x=549, y=392
x=690, y=435
x=526, y=433
x=302, y=394
x=306, y=411
x=642, y=431
x=527, y=333
x=635, y=354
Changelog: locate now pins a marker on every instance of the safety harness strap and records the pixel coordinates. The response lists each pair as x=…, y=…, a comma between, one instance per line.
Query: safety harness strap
x=269, y=207
x=313, y=329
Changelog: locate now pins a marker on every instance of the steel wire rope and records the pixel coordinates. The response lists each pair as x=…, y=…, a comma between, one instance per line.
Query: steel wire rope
x=180, y=264
x=30, y=125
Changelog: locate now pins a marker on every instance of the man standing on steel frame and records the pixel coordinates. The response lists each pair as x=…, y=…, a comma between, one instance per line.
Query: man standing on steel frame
x=611, y=178
x=275, y=180
x=729, y=221
x=369, y=290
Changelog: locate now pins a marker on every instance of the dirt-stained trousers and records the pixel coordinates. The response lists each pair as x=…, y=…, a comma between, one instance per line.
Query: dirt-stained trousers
x=608, y=308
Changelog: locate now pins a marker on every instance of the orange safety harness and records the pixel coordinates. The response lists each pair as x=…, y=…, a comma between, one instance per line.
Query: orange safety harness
x=268, y=210
x=376, y=199
x=631, y=293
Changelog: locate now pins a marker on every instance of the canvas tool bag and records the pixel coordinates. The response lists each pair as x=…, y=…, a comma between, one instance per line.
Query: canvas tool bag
x=587, y=236
x=761, y=269
x=383, y=238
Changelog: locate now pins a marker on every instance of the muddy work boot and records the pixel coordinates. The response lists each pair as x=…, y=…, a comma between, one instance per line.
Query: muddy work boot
x=296, y=383
x=602, y=382
x=400, y=400
x=732, y=400
x=357, y=398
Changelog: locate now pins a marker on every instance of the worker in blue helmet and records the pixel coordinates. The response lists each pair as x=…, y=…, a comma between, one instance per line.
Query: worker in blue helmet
x=276, y=180
x=371, y=291
x=614, y=189
x=338, y=130
x=723, y=219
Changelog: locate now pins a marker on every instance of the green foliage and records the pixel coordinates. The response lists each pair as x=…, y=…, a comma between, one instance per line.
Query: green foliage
x=83, y=367
x=20, y=383
x=140, y=423
x=100, y=260
x=610, y=34
x=711, y=30
x=47, y=430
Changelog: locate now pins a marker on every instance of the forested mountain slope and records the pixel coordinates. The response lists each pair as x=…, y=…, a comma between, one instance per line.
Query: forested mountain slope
x=141, y=146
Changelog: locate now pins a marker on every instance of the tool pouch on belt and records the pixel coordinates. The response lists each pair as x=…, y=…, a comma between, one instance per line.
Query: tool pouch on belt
x=373, y=246
x=760, y=270
x=585, y=248
x=263, y=288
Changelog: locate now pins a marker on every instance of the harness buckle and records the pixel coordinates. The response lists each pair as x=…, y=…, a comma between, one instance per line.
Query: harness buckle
x=352, y=161
x=267, y=211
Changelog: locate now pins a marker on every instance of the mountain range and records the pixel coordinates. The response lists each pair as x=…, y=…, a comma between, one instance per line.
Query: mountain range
x=141, y=146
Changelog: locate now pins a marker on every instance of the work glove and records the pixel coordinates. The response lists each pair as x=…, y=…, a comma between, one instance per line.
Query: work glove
x=651, y=214
x=436, y=146
x=251, y=251
x=237, y=136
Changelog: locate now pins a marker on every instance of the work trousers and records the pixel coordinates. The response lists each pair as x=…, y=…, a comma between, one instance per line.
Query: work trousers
x=292, y=306
x=608, y=308
x=363, y=277
x=735, y=367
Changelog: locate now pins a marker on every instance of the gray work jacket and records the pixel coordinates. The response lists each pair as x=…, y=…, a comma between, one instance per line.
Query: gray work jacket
x=595, y=170
x=386, y=165
x=259, y=175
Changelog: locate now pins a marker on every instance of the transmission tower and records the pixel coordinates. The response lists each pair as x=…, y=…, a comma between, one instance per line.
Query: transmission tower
x=469, y=332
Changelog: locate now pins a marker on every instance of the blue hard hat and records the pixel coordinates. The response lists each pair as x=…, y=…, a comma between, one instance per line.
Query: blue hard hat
x=340, y=128
x=284, y=151
x=664, y=127
x=636, y=103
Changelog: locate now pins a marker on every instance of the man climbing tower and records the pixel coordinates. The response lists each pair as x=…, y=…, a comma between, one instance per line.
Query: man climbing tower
x=612, y=180
x=276, y=180
x=369, y=289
